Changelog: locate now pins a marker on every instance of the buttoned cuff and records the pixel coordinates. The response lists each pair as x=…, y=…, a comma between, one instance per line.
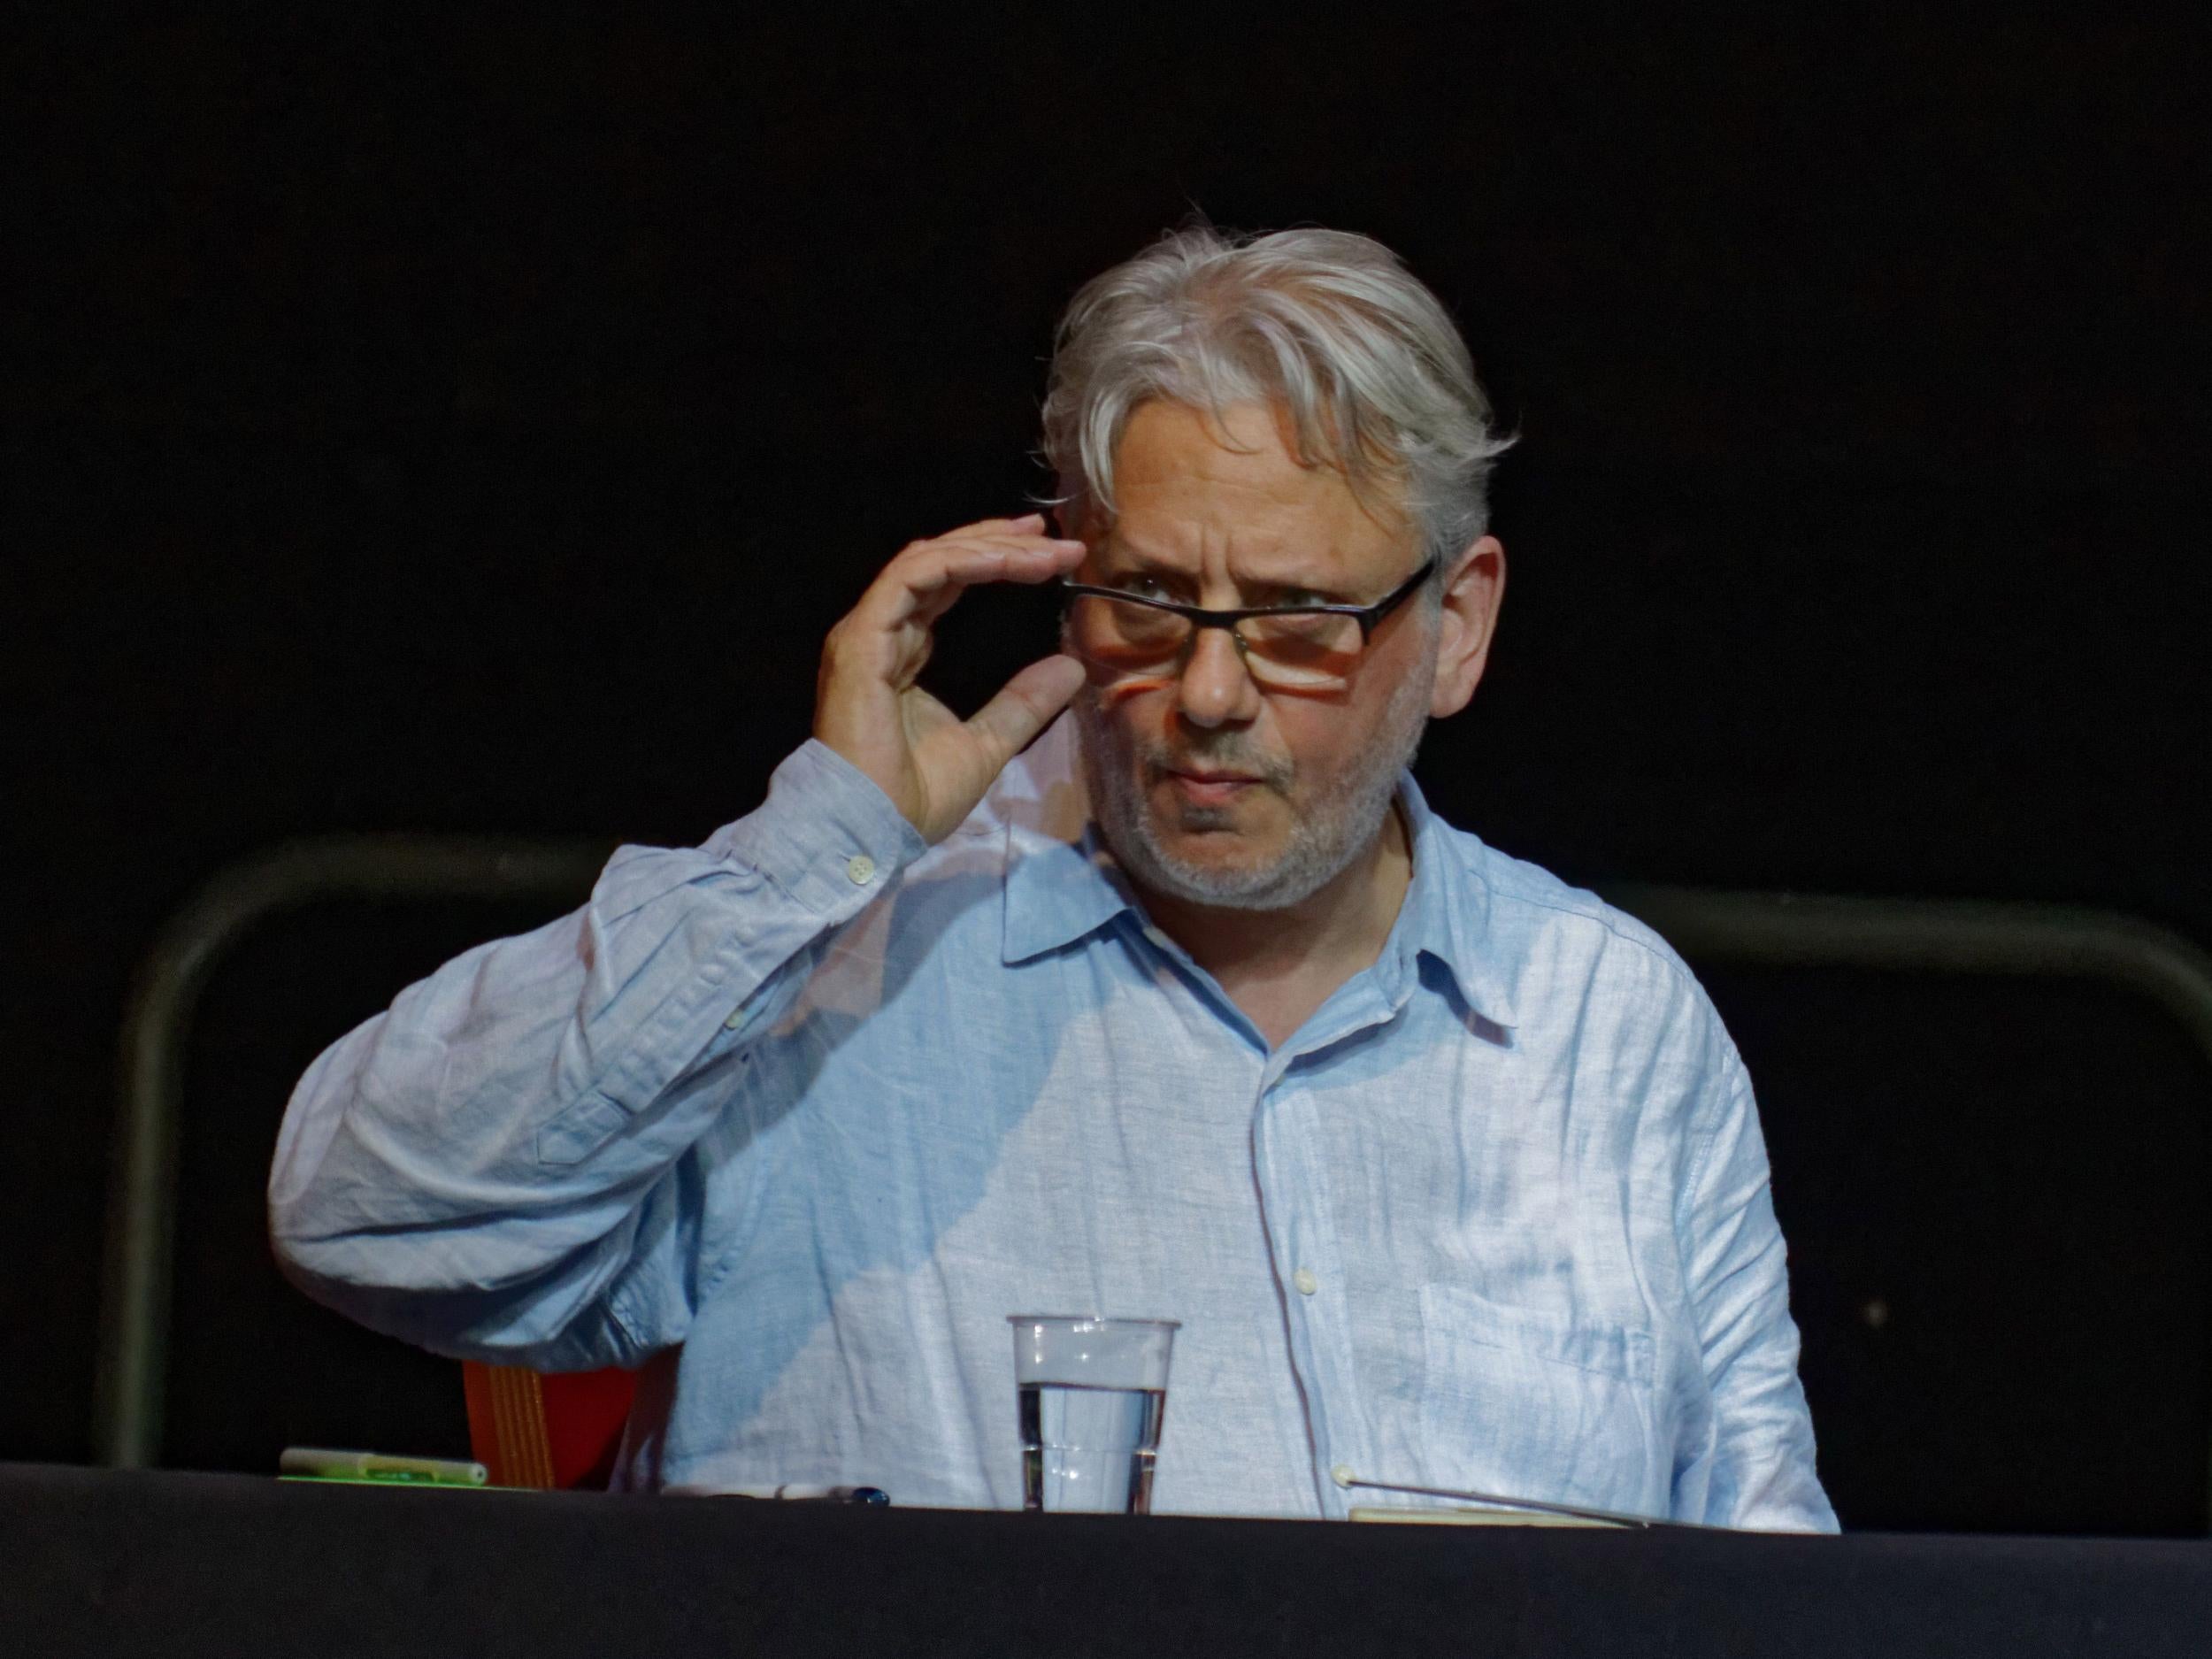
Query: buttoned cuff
x=826, y=837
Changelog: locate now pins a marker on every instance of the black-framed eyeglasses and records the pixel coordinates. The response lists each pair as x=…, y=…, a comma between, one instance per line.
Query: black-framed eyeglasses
x=1296, y=647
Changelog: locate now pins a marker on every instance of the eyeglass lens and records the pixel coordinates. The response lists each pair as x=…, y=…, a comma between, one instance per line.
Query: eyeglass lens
x=1299, y=649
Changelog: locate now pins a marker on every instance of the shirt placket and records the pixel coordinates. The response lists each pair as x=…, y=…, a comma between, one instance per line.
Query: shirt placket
x=1291, y=1169
x=1291, y=1179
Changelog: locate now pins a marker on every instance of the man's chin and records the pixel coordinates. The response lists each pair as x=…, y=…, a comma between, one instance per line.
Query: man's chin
x=1229, y=840
x=1203, y=824
x=1221, y=867
x=1224, y=869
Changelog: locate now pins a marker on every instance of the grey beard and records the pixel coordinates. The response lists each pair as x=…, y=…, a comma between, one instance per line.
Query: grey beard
x=1336, y=827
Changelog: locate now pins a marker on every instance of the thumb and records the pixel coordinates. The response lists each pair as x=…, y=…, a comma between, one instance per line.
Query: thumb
x=1026, y=706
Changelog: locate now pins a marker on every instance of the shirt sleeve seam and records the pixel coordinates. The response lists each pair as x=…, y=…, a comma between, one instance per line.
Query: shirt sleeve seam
x=1661, y=953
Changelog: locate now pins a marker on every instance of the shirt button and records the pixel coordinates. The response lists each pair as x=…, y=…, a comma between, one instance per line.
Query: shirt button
x=1342, y=1474
x=1305, y=1282
x=736, y=1019
x=861, y=868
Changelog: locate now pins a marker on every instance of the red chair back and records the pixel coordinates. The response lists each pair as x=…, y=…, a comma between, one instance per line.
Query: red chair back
x=550, y=1431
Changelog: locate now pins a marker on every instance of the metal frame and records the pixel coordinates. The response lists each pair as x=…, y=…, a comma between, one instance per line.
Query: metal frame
x=1767, y=929
x=128, y=1386
x=1935, y=937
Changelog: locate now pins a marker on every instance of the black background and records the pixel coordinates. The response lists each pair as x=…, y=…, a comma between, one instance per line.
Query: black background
x=457, y=421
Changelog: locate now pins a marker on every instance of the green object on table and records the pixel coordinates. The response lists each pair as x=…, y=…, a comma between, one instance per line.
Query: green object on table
x=315, y=1462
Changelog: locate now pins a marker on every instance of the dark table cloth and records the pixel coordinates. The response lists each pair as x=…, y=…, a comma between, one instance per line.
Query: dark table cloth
x=99, y=1561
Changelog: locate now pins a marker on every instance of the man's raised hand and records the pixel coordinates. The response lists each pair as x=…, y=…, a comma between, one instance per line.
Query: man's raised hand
x=933, y=765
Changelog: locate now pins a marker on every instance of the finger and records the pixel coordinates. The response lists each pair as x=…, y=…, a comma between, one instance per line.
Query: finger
x=924, y=560
x=885, y=636
x=985, y=529
x=1012, y=538
x=1026, y=521
x=921, y=586
x=1009, y=721
x=1029, y=561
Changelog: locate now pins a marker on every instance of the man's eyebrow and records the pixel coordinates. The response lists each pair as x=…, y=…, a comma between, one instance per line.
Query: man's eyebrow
x=1125, y=560
x=1121, y=555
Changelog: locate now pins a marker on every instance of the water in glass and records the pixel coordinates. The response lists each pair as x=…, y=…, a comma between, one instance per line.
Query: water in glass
x=1087, y=1449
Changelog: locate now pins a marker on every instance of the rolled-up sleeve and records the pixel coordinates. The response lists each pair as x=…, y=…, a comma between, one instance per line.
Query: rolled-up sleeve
x=497, y=1166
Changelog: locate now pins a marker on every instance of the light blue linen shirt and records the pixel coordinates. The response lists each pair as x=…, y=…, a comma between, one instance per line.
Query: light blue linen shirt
x=823, y=1106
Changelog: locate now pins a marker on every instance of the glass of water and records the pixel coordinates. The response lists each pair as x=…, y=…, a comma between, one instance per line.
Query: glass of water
x=1092, y=1393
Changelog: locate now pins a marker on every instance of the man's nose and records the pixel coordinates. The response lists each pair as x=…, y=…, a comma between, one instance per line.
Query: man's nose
x=1214, y=687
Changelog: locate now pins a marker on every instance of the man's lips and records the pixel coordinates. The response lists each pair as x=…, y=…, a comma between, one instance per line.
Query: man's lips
x=1206, y=787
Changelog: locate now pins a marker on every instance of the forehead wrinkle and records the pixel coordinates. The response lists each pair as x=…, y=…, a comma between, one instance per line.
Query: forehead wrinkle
x=1188, y=481
x=1260, y=560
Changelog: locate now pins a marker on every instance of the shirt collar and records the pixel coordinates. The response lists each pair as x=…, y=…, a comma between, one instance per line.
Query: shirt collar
x=1446, y=914
x=1061, y=884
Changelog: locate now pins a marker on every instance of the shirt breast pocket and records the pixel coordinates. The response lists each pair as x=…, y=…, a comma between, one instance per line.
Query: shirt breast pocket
x=1531, y=1404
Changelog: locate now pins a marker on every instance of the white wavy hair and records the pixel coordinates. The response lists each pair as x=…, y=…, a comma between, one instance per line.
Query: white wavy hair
x=1327, y=325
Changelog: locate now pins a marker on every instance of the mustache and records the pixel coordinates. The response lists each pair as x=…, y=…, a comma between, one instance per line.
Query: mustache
x=1225, y=751
x=1220, y=750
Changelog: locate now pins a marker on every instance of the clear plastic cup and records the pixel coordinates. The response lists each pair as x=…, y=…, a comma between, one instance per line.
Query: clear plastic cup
x=1092, y=1393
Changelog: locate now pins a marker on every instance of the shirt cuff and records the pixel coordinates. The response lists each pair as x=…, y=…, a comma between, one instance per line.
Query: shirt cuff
x=826, y=837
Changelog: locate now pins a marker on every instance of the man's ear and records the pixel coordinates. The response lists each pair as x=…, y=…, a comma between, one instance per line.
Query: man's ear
x=1472, y=593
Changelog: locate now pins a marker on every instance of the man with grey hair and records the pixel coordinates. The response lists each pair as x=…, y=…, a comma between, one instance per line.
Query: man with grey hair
x=1182, y=1006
